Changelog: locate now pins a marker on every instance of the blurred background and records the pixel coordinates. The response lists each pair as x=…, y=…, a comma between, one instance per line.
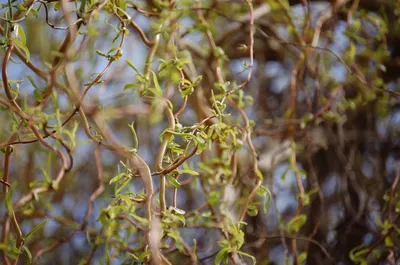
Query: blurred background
x=325, y=77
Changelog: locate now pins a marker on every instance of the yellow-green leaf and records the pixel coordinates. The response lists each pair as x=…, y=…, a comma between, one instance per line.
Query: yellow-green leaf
x=22, y=46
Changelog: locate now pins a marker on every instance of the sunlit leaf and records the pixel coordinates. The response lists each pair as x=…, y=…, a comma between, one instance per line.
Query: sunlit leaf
x=22, y=46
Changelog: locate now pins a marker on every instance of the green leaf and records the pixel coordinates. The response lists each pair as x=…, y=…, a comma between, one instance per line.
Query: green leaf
x=388, y=242
x=252, y=209
x=284, y=174
x=36, y=228
x=141, y=78
x=173, y=181
x=144, y=255
x=163, y=65
x=37, y=93
x=294, y=225
x=116, y=178
x=30, y=78
x=117, y=55
x=302, y=258
x=22, y=46
x=302, y=173
x=28, y=253
x=134, y=135
x=20, y=33
x=308, y=117
x=9, y=203
x=21, y=8
x=71, y=136
x=259, y=174
x=125, y=199
x=186, y=87
x=130, y=86
x=224, y=243
x=197, y=80
x=140, y=219
x=219, y=52
x=181, y=62
x=357, y=252
x=158, y=90
x=16, y=251
x=177, y=238
x=101, y=53
x=213, y=198
x=222, y=256
x=35, y=12
x=121, y=4
x=253, y=259
x=133, y=256
x=123, y=186
x=351, y=53
x=188, y=171
x=129, y=62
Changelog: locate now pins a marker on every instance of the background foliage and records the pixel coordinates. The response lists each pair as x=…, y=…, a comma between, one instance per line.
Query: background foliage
x=199, y=132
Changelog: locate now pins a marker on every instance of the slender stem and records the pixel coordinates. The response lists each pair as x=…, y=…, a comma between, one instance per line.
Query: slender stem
x=10, y=9
x=161, y=153
x=150, y=56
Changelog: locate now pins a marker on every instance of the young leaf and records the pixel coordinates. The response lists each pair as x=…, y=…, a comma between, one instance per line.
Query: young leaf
x=173, y=181
x=101, y=53
x=189, y=171
x=20, y=33
x=36, y=228
x=129, y=62
x=130, y=86
x=158, y=90
x=32, y=81
x=116, y=178
x=22, y=46
x=294, y=225
x=28, y=253
x=222, y=256
x=253, y=259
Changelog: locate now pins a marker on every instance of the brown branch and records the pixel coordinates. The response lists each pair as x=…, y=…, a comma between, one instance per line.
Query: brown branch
x=141, y=33
x=55, y=245
x=77, y=22
x=144, y=12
